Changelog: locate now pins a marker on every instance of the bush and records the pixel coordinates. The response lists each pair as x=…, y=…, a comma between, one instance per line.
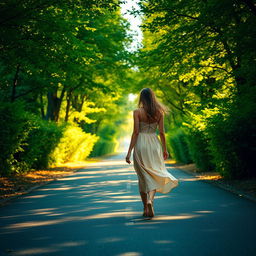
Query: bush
x=14, y=130
x=107, y=143
x=199, y=150
x=232, y=139
x=74, y=145
x=103, y=147
x=28, y=142
x=177, y=142
x=41, y=142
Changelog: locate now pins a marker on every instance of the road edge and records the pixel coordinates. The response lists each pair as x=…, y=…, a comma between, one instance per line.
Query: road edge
x=239, y=193
x=5, y=201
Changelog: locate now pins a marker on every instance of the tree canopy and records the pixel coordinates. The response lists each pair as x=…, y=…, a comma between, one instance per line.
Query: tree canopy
x=66, y=73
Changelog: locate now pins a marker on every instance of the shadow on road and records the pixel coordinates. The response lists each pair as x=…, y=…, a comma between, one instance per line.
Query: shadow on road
x=97, y=211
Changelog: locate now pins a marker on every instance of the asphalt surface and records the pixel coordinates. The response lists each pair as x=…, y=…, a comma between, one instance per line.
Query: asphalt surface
x=97, y=211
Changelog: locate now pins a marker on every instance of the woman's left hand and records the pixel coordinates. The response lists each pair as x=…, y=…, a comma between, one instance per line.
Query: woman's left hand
x=127, y=159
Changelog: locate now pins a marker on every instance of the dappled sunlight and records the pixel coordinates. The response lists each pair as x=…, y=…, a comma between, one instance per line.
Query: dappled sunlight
x=111, y=215
x=108, y=193
x=100, y=200
x=177, y=217
x=163, y=242
x=116, y=201
x=31, y=224
x=36, y=250
x=130, y=254
x=88, y=209
x=188, y=179
x=96, y=174
x=81, y=177
x=36, y=196
x=113, y=170
x=110, y=163
x=77, y=164
x=54, y=189
x=109, y=183
x=52, y=248
x=95, y=199
x=106, y=215
x=127, y=197
x=121, y=174
x=159, y=219
x=204, y=211
x=110, y=240
x=162, y=196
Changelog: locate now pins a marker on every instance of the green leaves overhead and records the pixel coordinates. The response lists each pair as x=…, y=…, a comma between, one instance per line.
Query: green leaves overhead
x=200, y=58
x=66, y=60
x=60, y=49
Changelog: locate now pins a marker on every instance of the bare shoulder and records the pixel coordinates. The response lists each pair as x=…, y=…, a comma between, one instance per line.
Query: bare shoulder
x=160, y=116
x=136, y=111
x=159, y=113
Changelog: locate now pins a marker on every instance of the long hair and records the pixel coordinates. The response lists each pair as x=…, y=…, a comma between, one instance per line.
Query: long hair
x=150, y=103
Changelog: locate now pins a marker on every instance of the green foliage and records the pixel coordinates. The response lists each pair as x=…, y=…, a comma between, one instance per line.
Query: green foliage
x=74, y=145
x=79, y=49
x=41, y=142
x=104, y=147
x=107, y=142
x=177, y=141
x=200, y=58
x=232, y=139
x=14, y=130
x=28, y=142
x=67, y=61
x=199, y=150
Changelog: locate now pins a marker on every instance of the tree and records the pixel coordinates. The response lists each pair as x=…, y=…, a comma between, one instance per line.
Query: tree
x=201, y=56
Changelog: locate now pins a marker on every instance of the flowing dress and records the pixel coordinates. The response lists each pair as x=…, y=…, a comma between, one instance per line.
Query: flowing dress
x=149, y=162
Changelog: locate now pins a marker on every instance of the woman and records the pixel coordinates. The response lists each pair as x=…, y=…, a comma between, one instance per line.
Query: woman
x=148, y=153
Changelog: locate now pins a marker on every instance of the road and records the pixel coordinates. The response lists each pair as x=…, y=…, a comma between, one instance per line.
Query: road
x=97, y=211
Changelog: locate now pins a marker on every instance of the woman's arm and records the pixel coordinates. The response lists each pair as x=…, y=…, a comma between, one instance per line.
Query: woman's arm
x=134, y=135
x=162, y=136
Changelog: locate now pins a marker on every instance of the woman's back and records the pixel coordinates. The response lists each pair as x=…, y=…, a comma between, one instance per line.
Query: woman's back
x=147, y=127
x=144, y=118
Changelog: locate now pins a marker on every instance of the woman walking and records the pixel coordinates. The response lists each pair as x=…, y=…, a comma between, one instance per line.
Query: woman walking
x=148, y=153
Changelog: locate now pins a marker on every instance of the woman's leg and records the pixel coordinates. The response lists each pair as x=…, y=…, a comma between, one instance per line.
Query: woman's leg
x=150, y=201
x=144, y=199
x=151, y=195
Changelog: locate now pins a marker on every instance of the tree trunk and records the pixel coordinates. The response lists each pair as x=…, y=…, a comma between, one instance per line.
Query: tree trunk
x=82, y=103
x=69, y=95
x=54, y=104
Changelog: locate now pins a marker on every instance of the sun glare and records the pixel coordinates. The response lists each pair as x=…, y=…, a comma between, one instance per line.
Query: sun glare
x=132, y=96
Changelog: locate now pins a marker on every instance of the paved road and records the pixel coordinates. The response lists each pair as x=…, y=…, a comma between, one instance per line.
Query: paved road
x=97, y=211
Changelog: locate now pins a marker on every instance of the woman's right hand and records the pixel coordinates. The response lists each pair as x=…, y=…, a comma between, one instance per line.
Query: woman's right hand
x=165, y=154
